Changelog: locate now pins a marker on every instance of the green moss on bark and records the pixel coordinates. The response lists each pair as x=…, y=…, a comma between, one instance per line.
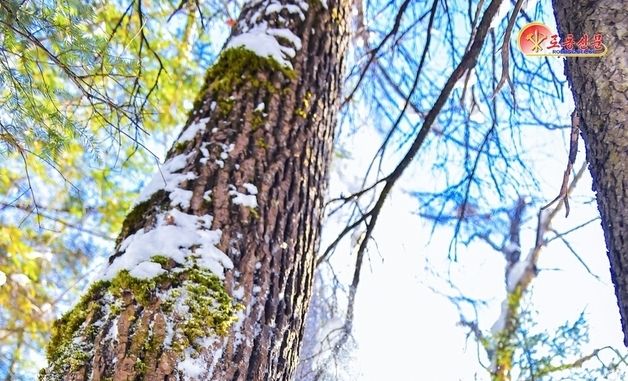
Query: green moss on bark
x=68, y=351
x=237, y=66
x=138, y=215
x=210, y=311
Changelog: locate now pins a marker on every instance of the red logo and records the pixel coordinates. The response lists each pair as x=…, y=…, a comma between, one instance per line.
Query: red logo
x=536, y=39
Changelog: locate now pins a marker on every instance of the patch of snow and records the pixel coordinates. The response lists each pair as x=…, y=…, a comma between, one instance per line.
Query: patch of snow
x=167, y=178
x=182, y=237
x=191, y=368
x=500, y=323
x=169, y=335
x=252, y=189
x=287, y=35
x=517, y=272
x=112, y=334
x=147, y=270
x=204, y=149
x=3, y=278
x=260, y=107
x=190, y=132
x=247, y=200
x=220, y=163
x=180, y=197
x=238, y=293
x=261, y=40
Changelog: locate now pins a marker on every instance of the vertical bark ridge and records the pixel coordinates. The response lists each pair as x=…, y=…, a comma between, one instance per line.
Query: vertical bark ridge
x=600, y=89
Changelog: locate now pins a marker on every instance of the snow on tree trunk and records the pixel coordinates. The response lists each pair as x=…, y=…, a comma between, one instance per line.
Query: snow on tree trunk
x=212, y=272
x=599, y=87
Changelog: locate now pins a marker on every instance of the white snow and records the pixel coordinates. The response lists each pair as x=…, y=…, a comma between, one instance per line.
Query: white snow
x=500, y=323
x=190, y=132
x=260, y=106
x=243, y=199
x=169, y=333
x=167, y=178
x=20, y=279
x=286, y=34
x=190, y=367
x=3, y=278
x=224, y=155
x=518, y=271
x=147, y=270
x=252, y=189
x=112, y=334
x=274, y=8
x=180, y=197
x=238, y=293
x=204, y=149
x=261, y=40
x=186, y=239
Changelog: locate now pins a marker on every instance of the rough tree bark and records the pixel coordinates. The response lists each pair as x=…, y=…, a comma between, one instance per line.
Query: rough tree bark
x=600, y=89
x=212, y=271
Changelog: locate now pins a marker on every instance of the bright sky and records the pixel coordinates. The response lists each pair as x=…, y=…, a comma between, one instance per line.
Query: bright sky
x=405, y=331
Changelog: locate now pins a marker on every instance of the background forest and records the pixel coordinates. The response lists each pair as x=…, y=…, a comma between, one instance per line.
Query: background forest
x=414, y=278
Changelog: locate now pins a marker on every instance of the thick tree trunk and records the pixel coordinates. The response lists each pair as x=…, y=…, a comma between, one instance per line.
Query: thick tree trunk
x=213, y=268
x=600, y=88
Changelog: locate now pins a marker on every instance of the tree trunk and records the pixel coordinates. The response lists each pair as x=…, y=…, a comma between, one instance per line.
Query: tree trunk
x=212, y=272
x=599, y=86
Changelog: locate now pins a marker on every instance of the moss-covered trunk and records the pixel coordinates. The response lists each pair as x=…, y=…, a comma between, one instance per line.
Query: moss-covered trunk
x=600, y=88
x=212, y=271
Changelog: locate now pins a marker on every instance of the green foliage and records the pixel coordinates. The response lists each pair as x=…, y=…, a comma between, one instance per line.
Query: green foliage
x=82, y=84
